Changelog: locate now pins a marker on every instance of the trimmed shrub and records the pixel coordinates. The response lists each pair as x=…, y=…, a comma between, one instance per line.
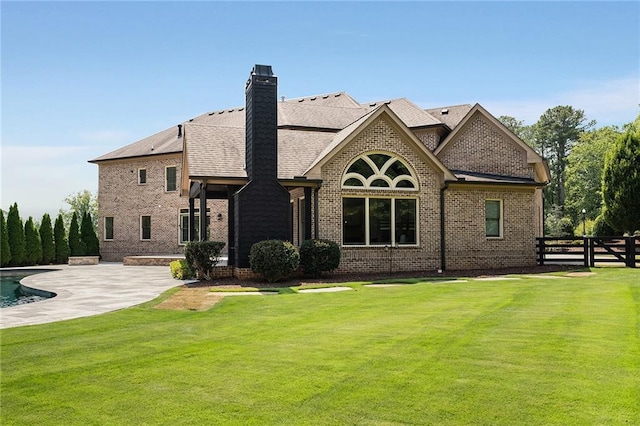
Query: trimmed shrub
x=274, y=259
x=46, y=238
x=60, y=240
x=5, y=250
x=318, y=256
x=15, y=234
x=33, y=251
x=202, y=256
x=180, y=270
x=88, y=236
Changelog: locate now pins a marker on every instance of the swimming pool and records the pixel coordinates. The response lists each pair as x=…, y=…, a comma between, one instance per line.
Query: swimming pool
x=12, y=293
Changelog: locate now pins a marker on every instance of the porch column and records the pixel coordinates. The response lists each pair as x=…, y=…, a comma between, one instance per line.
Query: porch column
x=307, y=214
x=231, y=226
x=192, y=219
x=203, y=211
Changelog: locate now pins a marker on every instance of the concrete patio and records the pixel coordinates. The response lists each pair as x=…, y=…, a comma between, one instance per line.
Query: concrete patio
x=88, y=290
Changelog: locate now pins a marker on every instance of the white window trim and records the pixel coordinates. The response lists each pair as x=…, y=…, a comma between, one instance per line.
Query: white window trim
x=113, y=223
x=380, y=174
x=166, y=188
x=393, y=223
x=141, y=232
x=145, y=176
x=180, y=214
x=501, y=221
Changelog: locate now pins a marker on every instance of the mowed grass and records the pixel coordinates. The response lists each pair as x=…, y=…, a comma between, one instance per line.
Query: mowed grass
x=528, y=351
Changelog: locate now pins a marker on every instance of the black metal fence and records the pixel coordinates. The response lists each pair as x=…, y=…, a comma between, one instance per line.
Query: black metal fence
x=588, y=251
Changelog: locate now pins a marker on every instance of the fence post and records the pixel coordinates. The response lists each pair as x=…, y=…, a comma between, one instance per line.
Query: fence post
x=541, y=250
x=630, y=249
x=585, y=251
x=592, y=253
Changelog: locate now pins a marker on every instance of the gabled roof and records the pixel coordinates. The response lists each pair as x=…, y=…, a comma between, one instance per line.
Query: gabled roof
x=450, y=115
x=354, y=129
x=541, y=168
x=164, y=142
x=410, y=114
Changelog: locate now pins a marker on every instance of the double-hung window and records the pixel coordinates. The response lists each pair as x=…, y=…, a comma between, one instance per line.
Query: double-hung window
x=142, y=176
x=493, y=218
x=185, y=233
x=171, y=178
x=389, y=218
x=108, y=228
x=145, y=228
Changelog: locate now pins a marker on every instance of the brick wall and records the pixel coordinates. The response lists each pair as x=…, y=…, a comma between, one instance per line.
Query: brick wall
x=121, y=197
x=467, y=246
x=481, y=147
x=381, y=135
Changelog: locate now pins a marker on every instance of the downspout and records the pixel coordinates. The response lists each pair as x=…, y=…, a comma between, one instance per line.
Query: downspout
x=443, y=261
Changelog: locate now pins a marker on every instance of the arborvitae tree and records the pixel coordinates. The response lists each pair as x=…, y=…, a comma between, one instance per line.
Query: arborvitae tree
x=33, y=254
x=60, y=239
x=621, y=183
x=46, y=237
x=75, y=245
x=88, y=236
x=15, y=233
x=5, y=250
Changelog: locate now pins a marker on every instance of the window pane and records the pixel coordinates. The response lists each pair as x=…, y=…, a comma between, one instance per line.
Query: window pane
x=379, y=159
x=142, y=176
x=405, y=184
x=406, y=221
x=171, y=178
x=380, y=221
x=353, y=182
x=145, y=224
x=353, y=221
x=492, y=218
x=361, y=167
x=397, y=169
x=108, y=228
x=379, y=183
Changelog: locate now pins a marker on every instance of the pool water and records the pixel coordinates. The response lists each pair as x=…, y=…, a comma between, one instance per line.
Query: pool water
x=11, y=292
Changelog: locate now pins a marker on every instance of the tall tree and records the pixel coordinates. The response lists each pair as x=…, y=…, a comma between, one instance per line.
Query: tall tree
x=556, y=132
x=521, y=130
x=88, y=236
x=15, y=232
x=621, y=183
x=33, y=255
x=585, y=164
x=5, y=250
x=75, y=244
x=81, y=202
x=46, y=238
x=60, y=240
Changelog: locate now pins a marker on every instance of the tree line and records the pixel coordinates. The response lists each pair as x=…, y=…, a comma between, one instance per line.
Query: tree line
x=595, y=172
x=26, y=244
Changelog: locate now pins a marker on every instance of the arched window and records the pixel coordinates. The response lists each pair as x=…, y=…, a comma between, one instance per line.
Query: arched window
x=384, y=219
x=379, y=171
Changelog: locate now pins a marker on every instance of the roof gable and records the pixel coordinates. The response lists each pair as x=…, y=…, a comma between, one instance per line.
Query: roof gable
x=349, y=133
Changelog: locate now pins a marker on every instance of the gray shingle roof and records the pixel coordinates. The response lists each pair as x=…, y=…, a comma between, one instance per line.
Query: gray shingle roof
x=450, y=115
x=164, y=142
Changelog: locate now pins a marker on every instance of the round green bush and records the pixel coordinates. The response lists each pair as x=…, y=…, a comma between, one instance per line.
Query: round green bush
x=318, y=256
x=180, y=270
x=274, y=259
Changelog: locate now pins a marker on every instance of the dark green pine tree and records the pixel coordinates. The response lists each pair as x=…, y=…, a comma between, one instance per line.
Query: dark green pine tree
x=5, y=250
x=15, y=233
x=60, y=240
x=88, y=236
x=46, y=238
x=621, y=184
x=33, y=255
x=75, y=244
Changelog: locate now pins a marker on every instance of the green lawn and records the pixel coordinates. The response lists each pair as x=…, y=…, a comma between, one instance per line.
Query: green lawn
x=528, y=351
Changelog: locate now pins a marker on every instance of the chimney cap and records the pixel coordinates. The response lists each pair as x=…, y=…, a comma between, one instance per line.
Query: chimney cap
x=262, y=70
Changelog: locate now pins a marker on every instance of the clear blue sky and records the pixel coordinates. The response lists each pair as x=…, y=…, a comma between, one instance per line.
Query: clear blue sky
x=80, y=79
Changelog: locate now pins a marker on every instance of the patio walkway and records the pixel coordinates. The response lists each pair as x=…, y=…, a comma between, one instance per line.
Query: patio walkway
x=88, y=290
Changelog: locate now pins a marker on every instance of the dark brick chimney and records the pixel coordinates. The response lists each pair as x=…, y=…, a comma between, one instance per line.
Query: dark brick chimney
x=262, y=205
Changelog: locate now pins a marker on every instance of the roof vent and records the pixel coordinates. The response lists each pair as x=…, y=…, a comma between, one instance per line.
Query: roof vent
x=444, y=111
x=179, y=130
x=373, y=104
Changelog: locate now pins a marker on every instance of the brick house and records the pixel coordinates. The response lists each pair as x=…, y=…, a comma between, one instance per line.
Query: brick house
x=395, y=185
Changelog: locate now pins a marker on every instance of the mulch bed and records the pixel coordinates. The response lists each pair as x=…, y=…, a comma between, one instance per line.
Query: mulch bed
x=339, y=278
